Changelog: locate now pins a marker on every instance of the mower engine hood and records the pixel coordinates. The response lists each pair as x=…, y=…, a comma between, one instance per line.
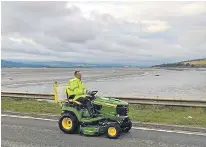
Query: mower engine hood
x=109, y=101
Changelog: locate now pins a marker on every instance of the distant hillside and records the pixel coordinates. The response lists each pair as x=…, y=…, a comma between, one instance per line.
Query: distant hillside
x=10, y=64
x=197, y=63
x=54, y=64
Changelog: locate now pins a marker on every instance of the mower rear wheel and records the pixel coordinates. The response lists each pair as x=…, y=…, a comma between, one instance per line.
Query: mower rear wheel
x=113, y=131
x=68, y=123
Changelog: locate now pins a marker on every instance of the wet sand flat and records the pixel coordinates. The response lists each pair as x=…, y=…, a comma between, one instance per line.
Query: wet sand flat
x=125, y=82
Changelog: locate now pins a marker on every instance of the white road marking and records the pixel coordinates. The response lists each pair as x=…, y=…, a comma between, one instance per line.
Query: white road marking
x=171, y=131
x=28, y=117
x=136, y=128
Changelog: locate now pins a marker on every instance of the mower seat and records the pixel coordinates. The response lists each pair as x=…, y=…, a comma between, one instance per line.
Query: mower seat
x=60, y=97
x=71, y=99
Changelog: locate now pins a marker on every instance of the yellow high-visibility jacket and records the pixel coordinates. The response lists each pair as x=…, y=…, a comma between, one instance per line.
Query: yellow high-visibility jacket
x=76, y=87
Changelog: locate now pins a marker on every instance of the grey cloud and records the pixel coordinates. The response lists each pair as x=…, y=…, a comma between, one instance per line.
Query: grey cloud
x=73, y=29
x=14, y=47
x=31, y=16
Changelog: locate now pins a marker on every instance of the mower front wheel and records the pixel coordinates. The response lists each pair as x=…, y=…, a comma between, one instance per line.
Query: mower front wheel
x=68, y=123
x=113, y=131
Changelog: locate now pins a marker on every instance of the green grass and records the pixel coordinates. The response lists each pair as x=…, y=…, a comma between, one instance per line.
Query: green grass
x=143, y=113
x=29, y=106
x=169, y=114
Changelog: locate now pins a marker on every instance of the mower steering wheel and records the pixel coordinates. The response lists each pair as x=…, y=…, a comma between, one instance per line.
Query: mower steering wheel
x=94, y=92
x=92, y=95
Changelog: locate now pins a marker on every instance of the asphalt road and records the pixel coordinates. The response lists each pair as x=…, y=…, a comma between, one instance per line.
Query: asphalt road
x=23, y=132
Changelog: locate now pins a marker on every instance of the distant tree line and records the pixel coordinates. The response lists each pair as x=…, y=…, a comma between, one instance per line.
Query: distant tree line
x=181, y=65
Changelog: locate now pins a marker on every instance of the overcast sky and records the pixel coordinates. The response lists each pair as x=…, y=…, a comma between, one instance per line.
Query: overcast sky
x=109, y=32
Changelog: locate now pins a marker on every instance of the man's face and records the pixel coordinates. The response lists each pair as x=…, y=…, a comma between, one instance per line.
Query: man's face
x=78, y=75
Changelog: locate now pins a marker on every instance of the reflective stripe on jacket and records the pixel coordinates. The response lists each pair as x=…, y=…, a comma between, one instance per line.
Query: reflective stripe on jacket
x=76, y=87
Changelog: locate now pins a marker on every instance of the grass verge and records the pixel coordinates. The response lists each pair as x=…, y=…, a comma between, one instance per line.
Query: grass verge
x=176, y=115
x=144, y=113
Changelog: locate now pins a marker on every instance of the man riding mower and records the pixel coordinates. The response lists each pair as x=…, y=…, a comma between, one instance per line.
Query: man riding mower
x=87, y=114
x=77, y=89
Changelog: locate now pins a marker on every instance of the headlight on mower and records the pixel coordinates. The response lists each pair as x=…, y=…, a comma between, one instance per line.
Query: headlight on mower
x=117, y=115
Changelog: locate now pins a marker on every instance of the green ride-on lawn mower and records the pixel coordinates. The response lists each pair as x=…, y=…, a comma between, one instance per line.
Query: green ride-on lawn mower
x=100, y=116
